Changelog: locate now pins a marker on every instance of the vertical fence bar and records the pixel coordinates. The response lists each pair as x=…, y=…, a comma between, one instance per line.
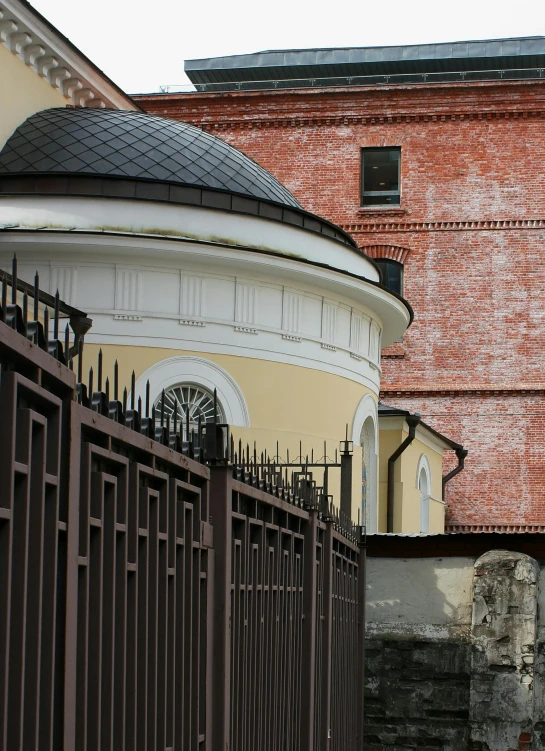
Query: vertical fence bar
x=360, y=672
x=71, y=629
x=219, y=693
x=327, y=643
x=309, y=632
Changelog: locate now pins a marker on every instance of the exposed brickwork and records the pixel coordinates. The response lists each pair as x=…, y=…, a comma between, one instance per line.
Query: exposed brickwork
x=472, y=220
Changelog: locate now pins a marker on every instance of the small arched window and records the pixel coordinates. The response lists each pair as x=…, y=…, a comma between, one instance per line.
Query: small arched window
x=391, y=273
x=424, y=486
x=188, y=400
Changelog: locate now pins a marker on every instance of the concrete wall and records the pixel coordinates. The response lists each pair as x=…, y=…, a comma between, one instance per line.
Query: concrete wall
x=22, y=93
x=456, y=653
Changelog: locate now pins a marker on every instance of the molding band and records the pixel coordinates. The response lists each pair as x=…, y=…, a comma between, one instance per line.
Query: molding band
x=421, y=393
x=378, y=225
x=340, y=119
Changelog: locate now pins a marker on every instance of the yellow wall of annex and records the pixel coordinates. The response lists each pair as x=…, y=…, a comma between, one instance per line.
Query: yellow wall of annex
x=410, y=514
x=22, y=93
x=406, y=492
x=287, y=404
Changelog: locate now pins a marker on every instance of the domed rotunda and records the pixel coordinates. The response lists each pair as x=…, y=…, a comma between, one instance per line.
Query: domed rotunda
x=200, y=271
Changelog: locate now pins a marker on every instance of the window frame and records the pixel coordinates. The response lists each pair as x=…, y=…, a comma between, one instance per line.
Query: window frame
x=401, y=267
x=379, y=193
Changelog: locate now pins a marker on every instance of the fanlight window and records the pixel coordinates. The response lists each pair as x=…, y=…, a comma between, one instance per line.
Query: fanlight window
x=188, y=400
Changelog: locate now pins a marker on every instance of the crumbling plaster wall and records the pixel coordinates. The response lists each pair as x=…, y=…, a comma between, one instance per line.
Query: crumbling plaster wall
x=455, y=653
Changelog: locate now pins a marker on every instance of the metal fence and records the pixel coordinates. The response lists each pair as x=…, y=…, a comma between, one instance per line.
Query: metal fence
x=151, y=601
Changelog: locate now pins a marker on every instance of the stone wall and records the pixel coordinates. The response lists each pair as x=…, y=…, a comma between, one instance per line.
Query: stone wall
x=456, y=653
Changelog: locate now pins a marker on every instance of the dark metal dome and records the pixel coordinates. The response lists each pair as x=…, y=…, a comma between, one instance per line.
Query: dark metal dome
x=137, y=146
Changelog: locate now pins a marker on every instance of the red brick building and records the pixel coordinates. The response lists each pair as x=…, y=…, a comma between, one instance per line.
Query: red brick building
x=468, y=121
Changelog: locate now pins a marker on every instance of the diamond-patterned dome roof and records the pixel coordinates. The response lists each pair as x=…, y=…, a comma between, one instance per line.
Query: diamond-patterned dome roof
x=134, y=145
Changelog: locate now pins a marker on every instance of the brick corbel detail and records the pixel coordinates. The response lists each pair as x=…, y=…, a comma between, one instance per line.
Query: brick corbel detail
x=393, y=252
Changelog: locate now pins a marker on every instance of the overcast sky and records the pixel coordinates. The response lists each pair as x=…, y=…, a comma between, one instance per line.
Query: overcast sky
x=142, y=46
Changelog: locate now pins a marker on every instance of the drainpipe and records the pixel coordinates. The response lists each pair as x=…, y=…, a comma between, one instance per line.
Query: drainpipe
x=461, y=453
x=412, y=422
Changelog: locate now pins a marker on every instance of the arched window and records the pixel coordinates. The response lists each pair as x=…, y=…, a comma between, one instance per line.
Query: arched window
x=424, y=486
x=188, y=400
x=190, y=381
x=368, y=475
x=392, y=274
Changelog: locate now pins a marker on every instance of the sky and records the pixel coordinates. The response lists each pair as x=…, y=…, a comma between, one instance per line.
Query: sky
x=142, y=46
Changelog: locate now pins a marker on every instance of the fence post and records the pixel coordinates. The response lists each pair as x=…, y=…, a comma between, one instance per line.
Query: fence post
x=327, y=635
x=308, y=697
x=218, y=695
x=346, y=478
x=362, y=559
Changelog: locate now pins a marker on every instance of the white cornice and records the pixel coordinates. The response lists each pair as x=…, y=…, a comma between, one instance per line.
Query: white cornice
x=39, y=46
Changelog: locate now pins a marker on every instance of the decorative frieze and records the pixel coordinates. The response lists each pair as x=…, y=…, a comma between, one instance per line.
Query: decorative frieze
x=291, y=311
x=329, y=324
x=383, y=225
x=64, y=279
x=128, y=284
x=191, y=298
x=246, y=304
x=328, y=121
x=39, y=47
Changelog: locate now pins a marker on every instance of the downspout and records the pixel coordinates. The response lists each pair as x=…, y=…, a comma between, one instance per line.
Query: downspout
x=412, y=422
x=461, y=453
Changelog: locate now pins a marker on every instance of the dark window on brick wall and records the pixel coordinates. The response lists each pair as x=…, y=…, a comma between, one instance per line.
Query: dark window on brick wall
x=380, y=170
x=392, y=274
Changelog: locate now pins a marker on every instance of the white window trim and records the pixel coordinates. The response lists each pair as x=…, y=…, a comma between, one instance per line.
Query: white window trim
x=366, y=410
x=424, y=465
x=189, y=369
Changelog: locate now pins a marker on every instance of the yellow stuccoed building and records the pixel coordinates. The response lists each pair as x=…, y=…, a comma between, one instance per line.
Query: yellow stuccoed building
x=201, y=273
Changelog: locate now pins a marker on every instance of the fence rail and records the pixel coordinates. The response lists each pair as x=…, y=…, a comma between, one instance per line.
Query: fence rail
x=155, y=602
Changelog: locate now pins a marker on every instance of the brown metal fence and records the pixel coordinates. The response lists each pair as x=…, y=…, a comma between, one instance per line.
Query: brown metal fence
x=151, y=602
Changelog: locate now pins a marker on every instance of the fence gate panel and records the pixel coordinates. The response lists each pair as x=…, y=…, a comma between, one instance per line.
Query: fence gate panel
x=140, y=605
x=32, y=541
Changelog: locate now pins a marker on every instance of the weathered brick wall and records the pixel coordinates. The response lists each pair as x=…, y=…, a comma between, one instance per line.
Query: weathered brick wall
x=472, y=226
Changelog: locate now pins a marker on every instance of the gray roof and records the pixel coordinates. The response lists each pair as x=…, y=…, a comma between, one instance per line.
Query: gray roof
x=441, y=59
x=114, y=143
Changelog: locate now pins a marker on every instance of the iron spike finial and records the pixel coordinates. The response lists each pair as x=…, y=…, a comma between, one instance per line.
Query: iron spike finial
x=140, y=409
x=90, y=382
x=36, y=295
x=147, y=398
x=107, y=389
x=14, y=280
x=133, y=389
x=80, y=359
x=116, y=381
x=162, y=407
x=125, y=395
x=99, y=374
x=25, y=307
x=57, y=314
x=66, y=340
x=46, y=324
